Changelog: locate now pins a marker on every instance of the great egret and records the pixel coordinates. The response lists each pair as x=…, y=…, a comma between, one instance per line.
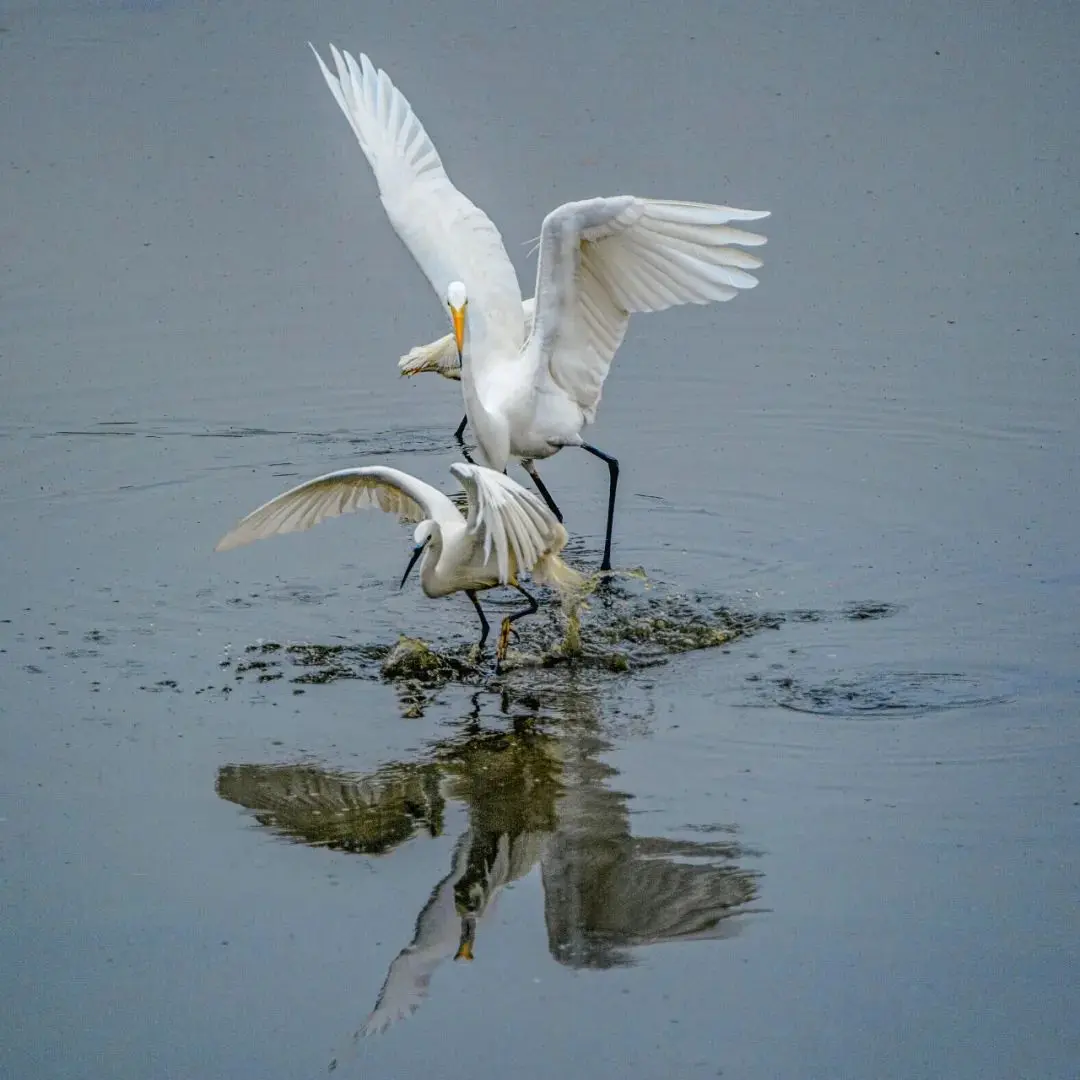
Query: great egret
x=442, y=358
x=508, y=530
x=529, y=395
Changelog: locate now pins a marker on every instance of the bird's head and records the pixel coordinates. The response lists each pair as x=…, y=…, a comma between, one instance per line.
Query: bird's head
x=421, y=537
x=457, y=300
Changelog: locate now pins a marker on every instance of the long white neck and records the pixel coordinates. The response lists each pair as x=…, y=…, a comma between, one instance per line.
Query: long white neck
x=429, y=561
x=488, y=426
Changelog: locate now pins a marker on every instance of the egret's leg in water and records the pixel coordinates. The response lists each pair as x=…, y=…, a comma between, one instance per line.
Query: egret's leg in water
x=460, y=433
x=613, y=473
x=530, y=468
x=504, y=633
x=484, y=628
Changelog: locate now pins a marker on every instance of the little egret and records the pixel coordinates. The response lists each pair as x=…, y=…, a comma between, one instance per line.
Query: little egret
x=508, y=530
x=528, y=395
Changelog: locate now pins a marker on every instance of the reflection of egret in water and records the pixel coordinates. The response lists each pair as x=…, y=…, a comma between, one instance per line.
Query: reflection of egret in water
x=606, y=891
x=446, y=926
x=535, y=794
x=509, y=782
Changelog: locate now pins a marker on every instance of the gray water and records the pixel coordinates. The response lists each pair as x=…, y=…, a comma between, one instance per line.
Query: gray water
x=844, y=845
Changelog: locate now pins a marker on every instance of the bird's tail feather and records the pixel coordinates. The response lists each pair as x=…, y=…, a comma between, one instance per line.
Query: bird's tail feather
x=572, y=589
x=550, y=570
x=565, y=580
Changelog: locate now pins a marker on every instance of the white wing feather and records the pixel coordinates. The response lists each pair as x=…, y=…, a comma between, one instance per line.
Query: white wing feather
x=603, y=259
x=441, y=357
x=343, y=492
x=511, y=521
x=449, y=237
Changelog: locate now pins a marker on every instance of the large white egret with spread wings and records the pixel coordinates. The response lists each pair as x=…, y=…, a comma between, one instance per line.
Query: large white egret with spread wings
x=529, y=394
x=508, y=530
x=441, y=357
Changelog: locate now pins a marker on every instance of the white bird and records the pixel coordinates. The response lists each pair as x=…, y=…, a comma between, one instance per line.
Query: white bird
x=508, y=530
x=441, y=357
x=528, y=395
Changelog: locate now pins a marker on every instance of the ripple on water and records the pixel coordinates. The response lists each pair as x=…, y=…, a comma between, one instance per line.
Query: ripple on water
x=882, y=694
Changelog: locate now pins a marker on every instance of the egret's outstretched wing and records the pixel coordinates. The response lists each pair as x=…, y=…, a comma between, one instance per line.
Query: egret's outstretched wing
x=449, y=237
x=512, y=522
x=441, y=357
x=342, y=492
x=603, y=259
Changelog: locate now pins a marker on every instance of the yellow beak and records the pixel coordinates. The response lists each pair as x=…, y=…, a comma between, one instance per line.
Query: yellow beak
x=458, y=317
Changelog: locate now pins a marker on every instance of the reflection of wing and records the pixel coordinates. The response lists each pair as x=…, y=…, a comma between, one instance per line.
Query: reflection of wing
x=606, y=891
x=369, y=815
x=438, y=929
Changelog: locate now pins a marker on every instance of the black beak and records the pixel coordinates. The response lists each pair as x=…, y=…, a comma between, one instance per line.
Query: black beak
x=417, y=552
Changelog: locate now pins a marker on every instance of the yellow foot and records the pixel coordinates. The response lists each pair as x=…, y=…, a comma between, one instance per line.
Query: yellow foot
x=504, y=639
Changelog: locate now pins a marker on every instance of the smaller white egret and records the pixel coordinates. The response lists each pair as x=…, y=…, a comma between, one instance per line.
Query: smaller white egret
x=508, y=530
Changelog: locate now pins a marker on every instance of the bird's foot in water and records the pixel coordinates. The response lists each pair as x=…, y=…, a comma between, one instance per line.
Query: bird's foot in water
x=505, y=631
x=476, y=655
x=604, y=580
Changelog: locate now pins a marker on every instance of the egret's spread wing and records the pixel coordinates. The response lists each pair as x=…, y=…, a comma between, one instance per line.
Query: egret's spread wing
x=441, y=357
x=601, y=260
x=342, y=492
x=450, y=238
x=511, y=521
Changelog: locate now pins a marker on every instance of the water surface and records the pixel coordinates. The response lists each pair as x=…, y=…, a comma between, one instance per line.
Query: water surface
x=843, y=845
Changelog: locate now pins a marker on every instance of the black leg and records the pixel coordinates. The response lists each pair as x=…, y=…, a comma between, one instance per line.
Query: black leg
x=504, y=632
x=613, y=472
x=530, y=468
x=532, y=609
x=484, y=628
x=459, y=435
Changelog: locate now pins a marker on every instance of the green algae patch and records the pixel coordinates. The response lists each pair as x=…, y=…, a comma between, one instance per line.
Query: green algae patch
x=415, y=660
x=615, y=624
x=671, y=634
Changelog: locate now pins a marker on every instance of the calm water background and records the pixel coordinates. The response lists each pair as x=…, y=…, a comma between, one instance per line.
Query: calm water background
x=202, y=303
